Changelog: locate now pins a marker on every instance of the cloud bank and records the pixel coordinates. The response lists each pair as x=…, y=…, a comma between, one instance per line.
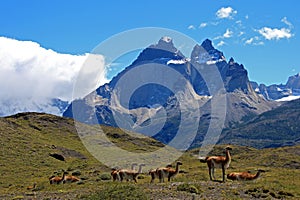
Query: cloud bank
x=29, y=72
x=274, y=33
x=228, y=12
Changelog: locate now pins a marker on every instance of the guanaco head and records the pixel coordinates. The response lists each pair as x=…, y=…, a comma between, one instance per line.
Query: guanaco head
x=179, y=163
x=51, y=177
x=228, y=148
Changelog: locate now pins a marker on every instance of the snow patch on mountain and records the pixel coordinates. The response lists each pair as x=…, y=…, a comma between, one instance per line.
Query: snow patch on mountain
x=289, y=98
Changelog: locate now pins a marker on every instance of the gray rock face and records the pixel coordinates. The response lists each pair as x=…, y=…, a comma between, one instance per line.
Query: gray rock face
x=276, y=92
x=167, y=108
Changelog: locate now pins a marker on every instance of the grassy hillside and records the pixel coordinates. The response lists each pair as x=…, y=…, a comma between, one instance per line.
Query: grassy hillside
x=28, y=139
x=275, y=128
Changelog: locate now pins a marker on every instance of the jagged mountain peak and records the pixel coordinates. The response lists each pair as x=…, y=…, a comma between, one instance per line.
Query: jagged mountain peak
x=206, y=53
x=231, y=61
x=164, y=49
x=294, y=81
x=165, y=43
x=207, y=45
x=166, y=39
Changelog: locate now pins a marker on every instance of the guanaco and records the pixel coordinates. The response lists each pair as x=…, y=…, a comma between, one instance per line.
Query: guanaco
x=115, y=172
x=56, y=179
x=70, y=178
x=153, y=173
x=217, y=162
x=244, y=176
x=31, y=187
x=168, y=172
x=130, y=174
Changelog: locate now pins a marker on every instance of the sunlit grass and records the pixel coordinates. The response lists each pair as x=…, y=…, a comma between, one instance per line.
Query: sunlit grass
x=25, y=160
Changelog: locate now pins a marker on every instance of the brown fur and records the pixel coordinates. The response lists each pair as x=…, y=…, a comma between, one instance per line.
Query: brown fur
x=168, y=172
x=218, y=162
x=70, y=178
x=130, y=174
x=244, y=176
x=154, y=173
x=56, y=179
x=115, y=172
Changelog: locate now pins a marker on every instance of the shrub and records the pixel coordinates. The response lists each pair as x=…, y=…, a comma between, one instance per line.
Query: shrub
x=105, y=177
x=118, y=192
x=188, y=188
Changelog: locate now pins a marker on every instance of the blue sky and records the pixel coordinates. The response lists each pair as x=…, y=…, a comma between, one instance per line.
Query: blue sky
x=261, y=35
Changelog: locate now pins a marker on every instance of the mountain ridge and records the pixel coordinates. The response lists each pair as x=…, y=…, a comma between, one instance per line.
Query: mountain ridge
x=242, y=101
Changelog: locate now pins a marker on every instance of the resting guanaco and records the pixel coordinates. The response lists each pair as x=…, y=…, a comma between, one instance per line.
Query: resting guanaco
x=217, y=162
x=70, y=178
x=244, y=176
x=153, y=173
x=31, y=187
x=56, y=179
x=130, y=174
x=168, y=172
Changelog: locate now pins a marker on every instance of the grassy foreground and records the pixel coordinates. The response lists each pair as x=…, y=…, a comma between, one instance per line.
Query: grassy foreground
x=28, y=139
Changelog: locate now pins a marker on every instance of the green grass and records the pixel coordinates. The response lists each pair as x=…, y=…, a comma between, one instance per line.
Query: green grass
x=27, y=140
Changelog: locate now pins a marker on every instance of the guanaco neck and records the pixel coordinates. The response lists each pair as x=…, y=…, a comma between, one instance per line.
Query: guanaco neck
x=140, y=169
x=228, y=157
x=63, y=176
x=257, y=175
x=177, y=168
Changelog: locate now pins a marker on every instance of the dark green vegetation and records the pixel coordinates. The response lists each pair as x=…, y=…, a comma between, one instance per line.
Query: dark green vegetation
x=275, y=128
x=28, y=139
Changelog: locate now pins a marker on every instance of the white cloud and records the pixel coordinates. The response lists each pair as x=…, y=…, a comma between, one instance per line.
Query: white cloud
x=221, y=43
x=191, y=27
x=274, y=33
x=227, y=34
x=241, y=33
x=284, y=20
x=31, y=72
x=249, y=41
x=254, y=41
x=226, y=13
x=202, y=25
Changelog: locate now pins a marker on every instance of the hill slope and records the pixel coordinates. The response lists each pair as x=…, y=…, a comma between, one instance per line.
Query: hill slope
x=278, y=127
x=28, y=138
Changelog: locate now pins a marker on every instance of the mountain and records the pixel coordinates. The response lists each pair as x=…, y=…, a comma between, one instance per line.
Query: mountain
x=274, y=128
x=53, y=106
x=191, y=86
x=281, y=92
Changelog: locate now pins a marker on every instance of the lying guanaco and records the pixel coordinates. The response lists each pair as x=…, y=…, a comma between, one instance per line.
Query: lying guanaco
x=70, y=178
x=56, y=179
x=244, y=176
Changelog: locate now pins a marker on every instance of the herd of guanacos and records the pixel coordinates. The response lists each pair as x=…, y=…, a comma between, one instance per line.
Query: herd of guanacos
x=168, y=172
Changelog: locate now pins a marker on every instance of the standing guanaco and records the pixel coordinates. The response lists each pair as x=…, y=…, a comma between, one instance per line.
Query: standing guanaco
x=217, y=162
